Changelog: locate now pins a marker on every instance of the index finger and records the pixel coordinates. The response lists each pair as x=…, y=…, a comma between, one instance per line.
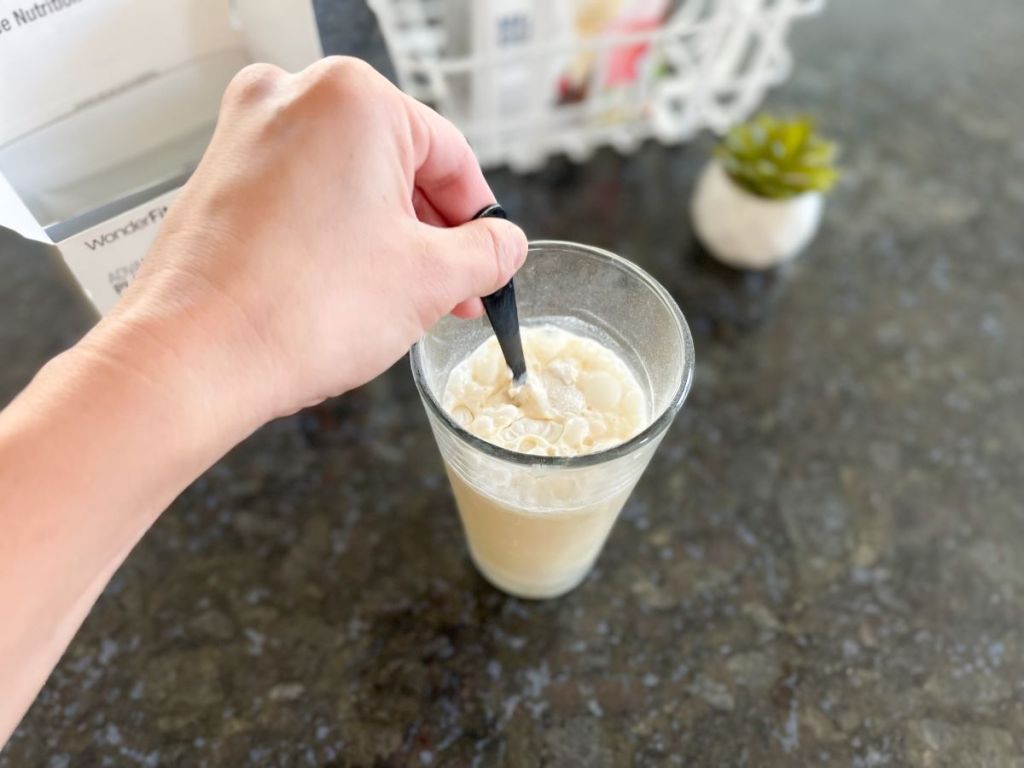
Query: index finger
x=447, y=172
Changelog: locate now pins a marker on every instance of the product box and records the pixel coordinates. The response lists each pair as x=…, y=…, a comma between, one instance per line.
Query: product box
x=106, y=107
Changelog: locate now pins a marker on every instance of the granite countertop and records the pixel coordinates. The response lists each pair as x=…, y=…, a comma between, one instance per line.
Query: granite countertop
x=824, y=564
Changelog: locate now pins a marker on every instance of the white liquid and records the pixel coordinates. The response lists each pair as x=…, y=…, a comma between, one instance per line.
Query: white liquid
x=543, y=535
x=579, y=396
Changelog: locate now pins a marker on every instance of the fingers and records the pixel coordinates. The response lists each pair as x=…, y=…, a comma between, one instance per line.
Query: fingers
x=447, y=172
x=473, y=260
x=425, y=210
x=450, y=190
x=470, y=309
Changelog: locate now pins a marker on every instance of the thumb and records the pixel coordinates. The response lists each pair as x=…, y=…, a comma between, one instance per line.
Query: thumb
x=476, y=258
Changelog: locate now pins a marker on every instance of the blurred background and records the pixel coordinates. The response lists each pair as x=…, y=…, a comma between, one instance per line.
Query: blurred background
x=824, y=564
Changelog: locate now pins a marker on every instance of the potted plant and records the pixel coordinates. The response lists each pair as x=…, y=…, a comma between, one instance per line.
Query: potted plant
x=760, y=198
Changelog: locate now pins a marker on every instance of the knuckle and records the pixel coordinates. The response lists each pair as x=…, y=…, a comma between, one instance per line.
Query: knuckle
x=342, y=86
x=348, y=66
x=273, y=99
x=253, y=84
x=344, y=76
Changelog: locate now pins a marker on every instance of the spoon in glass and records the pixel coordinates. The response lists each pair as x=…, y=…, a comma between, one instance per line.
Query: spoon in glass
x=503, y=314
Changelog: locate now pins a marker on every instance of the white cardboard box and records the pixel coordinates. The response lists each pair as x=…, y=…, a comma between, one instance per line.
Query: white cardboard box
x=106, y=106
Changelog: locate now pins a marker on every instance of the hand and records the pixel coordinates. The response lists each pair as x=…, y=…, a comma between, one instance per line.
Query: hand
x=313, y=245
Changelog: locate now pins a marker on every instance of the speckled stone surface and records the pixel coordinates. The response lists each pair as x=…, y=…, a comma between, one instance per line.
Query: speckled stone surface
x=823, y=566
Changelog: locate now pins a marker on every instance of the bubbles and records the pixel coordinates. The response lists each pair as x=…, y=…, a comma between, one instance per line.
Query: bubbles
x=462, y=415
x=602, y=390
x=488, y=368
x=576, y=430
x=579, y=396
x=565, y=371
x=565, y=400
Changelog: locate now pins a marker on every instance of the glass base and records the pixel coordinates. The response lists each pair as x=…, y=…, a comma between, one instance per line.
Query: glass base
x=531, y=591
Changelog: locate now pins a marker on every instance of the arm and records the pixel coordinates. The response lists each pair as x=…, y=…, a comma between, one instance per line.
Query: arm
x=309, y=250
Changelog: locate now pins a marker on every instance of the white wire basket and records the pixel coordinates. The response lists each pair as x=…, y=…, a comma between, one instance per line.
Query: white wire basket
x=498, y=69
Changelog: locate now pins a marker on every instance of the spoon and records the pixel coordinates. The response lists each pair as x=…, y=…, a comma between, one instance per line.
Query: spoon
x=503, y=314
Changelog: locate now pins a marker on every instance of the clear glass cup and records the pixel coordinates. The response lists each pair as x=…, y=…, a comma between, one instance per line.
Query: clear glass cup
x=535, y=525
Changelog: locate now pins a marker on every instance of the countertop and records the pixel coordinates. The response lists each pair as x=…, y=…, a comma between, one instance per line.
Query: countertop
x=824, y=564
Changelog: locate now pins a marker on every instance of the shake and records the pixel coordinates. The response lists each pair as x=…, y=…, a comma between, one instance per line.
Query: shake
x=579, y=398
x=541, y=471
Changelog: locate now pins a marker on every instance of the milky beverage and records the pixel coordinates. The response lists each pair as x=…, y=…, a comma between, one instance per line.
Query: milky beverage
x=537, y=534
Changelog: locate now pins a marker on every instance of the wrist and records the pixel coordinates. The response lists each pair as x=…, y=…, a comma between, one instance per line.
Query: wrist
x=179, y=372
x=101, y=441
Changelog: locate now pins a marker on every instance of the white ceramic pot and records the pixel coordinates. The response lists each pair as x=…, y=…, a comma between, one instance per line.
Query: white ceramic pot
x=747, y=231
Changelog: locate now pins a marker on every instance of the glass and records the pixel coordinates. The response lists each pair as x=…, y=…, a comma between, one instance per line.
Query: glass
x=535, y=525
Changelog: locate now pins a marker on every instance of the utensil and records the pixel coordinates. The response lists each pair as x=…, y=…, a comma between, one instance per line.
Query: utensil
x=503, y=314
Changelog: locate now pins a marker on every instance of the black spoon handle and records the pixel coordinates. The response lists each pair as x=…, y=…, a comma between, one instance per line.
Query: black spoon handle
x=503, y=314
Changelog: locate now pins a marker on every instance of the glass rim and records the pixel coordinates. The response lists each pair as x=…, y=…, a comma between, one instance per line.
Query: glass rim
x=652, y=431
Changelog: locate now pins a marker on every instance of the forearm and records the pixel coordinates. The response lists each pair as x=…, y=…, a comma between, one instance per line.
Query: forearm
x=257, y=299
x=90, y=454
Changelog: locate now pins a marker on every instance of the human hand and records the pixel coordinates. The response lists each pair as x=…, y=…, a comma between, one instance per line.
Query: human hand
x=309, y=250
x=313, y=245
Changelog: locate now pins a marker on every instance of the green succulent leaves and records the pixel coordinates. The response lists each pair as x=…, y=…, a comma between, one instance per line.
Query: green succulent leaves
x=778, y=159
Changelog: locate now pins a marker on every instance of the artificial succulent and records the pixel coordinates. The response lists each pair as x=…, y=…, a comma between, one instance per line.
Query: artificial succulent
x=778, y=159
